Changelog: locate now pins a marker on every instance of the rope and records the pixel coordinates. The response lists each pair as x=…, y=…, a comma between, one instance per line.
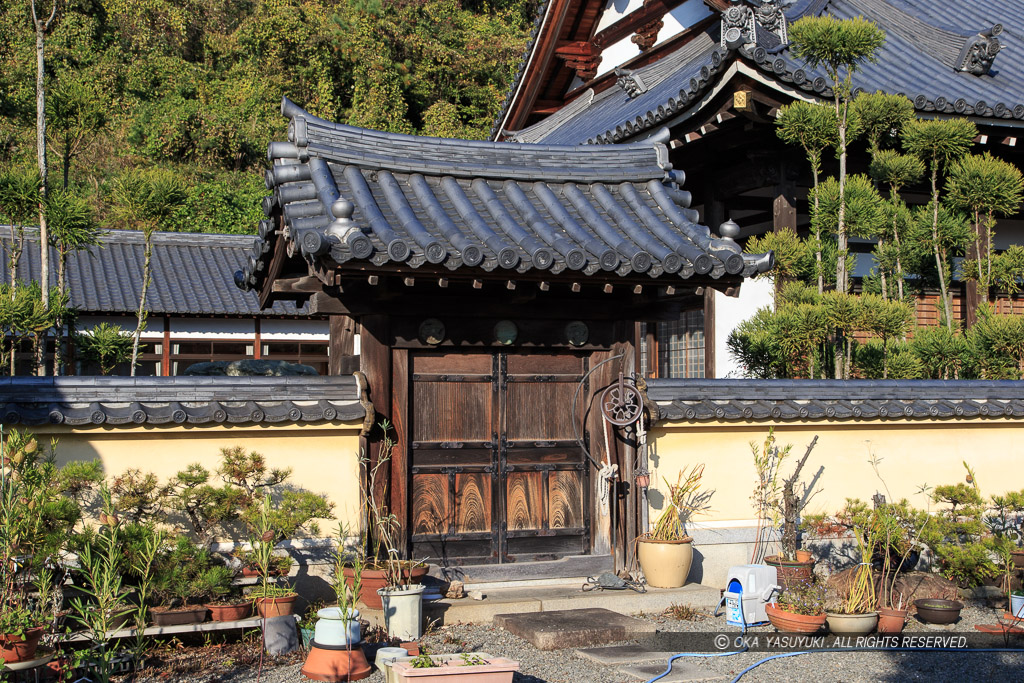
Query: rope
x=608, y=471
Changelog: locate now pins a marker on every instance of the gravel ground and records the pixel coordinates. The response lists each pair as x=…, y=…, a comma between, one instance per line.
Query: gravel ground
x=849, y=667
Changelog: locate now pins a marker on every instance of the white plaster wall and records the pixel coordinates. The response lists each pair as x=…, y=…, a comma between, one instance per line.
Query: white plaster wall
x=213, y=328
x=294, y=330
x=730, y=312
x=126, y=323
x=619, y=53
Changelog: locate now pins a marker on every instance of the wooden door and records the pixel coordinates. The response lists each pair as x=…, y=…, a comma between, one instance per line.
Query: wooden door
x=496, y=475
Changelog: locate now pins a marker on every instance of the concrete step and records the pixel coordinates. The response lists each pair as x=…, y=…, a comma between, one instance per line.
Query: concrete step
x=682, y=672
x=622, y=654
x=561, y=629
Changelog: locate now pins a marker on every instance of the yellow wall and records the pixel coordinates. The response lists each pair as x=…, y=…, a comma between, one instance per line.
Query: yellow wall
x=913, y=453
x=324, y=458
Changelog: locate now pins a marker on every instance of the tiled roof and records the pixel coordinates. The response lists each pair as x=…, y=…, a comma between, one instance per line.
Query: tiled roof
x=700, y=400
x=192, y=273
x=349, y=194
x=177, y=400
x=926, y=57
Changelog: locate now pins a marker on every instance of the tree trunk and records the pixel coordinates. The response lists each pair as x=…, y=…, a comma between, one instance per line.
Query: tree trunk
x=817, y=237
x=935, y=245
x=44, y=250
x=142, y=299
x=841, y=276
x=881, y=273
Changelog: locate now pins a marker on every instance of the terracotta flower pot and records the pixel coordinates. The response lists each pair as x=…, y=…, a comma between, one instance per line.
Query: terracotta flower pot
x=891, y=620
x=373, y=580
x=851, y=624
x=233, y=612
x=787, y=622
x=276, y=607
x=792, y=573
x=20, y=649
x=804, y=556
x=666, y=564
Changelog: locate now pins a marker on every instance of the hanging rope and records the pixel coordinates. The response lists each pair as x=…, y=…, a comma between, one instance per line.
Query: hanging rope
x=608, y=472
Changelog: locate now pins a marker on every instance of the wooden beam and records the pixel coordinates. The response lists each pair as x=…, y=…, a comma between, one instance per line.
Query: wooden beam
x=575, y=287
x=341, y=345
x=373, y=279
x=651, y=10
x=478, y=284
x=638, y=289
x=322, y=302
x=543, y=286
x=510, y=285
x=442, y=282
x=709, y=333
x=307, y=284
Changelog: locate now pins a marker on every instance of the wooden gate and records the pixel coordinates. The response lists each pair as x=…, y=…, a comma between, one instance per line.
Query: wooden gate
x=496, y=474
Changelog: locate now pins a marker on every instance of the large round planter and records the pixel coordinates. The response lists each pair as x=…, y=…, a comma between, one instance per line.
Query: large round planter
x=333, y=629
x=792, y=574
x=20, y=649
x=178, y=617
x=891, y=620
x=1017, y=606
x=936, y=611
x=787, y=622
x=851, y=624
x=372, y=580
x=276, y=607
x=665, y=564
x=235, y=612
x=403, y=611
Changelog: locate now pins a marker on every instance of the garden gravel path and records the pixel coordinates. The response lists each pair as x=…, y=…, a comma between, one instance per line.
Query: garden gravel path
x=565, y=666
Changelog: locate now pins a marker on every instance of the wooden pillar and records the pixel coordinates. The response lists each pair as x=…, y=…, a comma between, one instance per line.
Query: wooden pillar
x=375, y=363
x=399, y=494
x=784, y=206
x=709, y=333
x=341, y=347
x=165, y=357
x=257, y=344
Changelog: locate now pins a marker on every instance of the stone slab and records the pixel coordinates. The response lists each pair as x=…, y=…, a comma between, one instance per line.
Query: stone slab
x=682, y=672
x=622, y=654
x=561, y=629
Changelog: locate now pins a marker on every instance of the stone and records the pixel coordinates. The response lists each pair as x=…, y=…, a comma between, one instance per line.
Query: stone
x=623, y=654
x=477, y=595
x=574, y=628
x=250, y=368
x=682, y=672
x=456, y=590
x=280, y=635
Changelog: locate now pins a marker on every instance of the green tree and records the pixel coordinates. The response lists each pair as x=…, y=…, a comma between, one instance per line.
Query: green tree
x=814, y=128
x=19, y=196
x=881, y=117
x=839, y=47
x=939, y=143
x=984, y=186
x=887, y=320
x=896, y=171
x=77, y=112
x=106, y=344
x=146, y=199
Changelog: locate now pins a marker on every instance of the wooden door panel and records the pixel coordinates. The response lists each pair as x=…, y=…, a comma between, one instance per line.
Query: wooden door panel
x=451, y=411
x=524, y=500
x=555, y=454
x=565, y=500
x=452, y=363
x=473, y=503
x=540, y=363
x=540, y=411
x=430, y=513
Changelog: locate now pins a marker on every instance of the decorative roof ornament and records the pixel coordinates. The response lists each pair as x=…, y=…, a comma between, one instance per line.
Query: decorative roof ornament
x=630, y=82
x=979, y=51
x=755, y=24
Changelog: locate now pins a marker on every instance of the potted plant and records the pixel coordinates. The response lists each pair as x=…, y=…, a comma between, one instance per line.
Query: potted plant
x=855, y=614
x=665, y=553
x=400, y=599
x=377, y=563
x=468, y=667
x=785, y=501
x=799, y=609
x=271, y=600
x=185, y=576
x=224, y=599
x=339, y=625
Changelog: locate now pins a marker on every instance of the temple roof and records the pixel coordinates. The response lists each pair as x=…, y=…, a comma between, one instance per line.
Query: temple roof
x=946, y=56
x=362, y=198
x=699, y=400
x=192, y=273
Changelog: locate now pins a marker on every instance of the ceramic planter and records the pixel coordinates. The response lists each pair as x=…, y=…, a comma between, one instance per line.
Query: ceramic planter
x=936, y=611
x=334, y=629
x=665, y=564
x=403, y=611
x=15, y=648
x=372, y=580
x=792, y=574
x=788, y=622
x=233, y=612
x=891, y=620
x=454, y=670
x=166, y=617
x=276, y=607
x=804, y=556
x=851, y=624
x=1017, y=606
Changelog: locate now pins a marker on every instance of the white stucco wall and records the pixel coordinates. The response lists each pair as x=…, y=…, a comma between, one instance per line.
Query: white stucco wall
x=730, y=312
